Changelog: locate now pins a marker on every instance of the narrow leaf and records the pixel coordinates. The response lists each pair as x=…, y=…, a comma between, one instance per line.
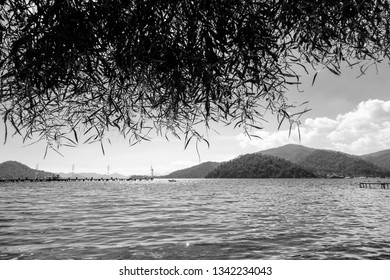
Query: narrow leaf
x=75, y=135
x=187, y=142
x=5, y=133
x=314, y=78
x=101, y=145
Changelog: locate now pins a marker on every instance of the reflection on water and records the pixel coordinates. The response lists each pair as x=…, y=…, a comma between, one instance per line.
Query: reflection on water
x=194, y=219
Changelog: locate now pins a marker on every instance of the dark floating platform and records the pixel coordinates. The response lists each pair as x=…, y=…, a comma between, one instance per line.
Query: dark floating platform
x=370, y=185
x=71, y=179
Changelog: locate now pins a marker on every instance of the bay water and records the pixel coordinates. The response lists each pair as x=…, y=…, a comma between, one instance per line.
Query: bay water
x=194, y=219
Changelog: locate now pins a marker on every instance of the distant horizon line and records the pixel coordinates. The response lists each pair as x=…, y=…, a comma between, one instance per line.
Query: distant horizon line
x=167, y=173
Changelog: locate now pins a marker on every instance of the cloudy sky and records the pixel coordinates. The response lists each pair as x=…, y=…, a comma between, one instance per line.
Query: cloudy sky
x=348, y=114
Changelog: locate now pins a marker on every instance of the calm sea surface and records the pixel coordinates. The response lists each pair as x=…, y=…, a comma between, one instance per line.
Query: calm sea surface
x=194, y=219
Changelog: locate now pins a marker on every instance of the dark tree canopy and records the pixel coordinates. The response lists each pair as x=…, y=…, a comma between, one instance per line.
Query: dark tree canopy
x=259, y=166
x=86, y=66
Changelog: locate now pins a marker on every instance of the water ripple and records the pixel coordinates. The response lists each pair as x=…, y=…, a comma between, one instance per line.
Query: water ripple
x=194, y=219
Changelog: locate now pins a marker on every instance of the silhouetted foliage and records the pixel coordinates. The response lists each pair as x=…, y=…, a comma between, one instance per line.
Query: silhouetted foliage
x=72, y=67
x=259, y=166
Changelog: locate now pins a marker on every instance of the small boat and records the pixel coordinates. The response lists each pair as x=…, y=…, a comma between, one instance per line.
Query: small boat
x=172, y=180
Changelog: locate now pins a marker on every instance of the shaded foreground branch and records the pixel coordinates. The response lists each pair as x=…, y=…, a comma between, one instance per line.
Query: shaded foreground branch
x=74, y=67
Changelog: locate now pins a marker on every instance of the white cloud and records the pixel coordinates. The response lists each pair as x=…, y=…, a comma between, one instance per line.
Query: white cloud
x=268, y=139
x=365, y=129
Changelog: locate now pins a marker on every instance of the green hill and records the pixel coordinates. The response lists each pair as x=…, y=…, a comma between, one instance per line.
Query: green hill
x=15, y=170
x=323, y=162
x=290, y=152
x=381, y=159
x=327, y=162
x=197, y=171
x=259, y=166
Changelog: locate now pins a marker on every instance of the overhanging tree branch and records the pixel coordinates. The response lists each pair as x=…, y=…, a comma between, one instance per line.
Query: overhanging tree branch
x=88, y=66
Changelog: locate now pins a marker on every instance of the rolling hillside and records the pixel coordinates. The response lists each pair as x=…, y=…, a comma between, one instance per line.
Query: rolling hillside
x=283, y=162
x=381, y=159
x=15, y=170
x=259, y=166
x=323, y=163
x=290, y=152
x=197, y=171
x=328, y=162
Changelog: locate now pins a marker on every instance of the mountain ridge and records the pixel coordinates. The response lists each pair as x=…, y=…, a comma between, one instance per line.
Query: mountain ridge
x=16, y=170
x=330, y=165
x=197, y=171
x=380, y=158
x=257, y=165
x=322, y=162
x=278, y=151
x=290, y=152
x=318, y=160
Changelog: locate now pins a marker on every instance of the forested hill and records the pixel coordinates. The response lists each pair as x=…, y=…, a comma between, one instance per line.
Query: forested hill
x=197, y=171
x=327, y=162
x=259, y=166
x=290, y=152
x=323, y=163
x=15, y=170
x=264, y=164
x=381, y=159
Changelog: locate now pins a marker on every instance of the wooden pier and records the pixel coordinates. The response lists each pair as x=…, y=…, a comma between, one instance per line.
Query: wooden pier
x=369, y=185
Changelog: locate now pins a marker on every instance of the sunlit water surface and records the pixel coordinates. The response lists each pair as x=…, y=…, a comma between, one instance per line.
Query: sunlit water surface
x=194, y=219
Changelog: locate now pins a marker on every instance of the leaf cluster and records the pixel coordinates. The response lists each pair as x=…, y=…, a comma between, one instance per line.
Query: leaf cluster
x=74, y=67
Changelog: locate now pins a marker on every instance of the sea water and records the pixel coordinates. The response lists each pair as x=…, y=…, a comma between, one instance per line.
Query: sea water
x=194, y=219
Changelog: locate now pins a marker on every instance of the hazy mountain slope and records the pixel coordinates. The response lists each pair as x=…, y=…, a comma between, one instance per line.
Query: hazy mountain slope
x=15, y=170
x=320, y=162
x=259, y=166
x=381, y=159
x=290, y=152
x=324, y=162
x=197, y=171
x=92, y=175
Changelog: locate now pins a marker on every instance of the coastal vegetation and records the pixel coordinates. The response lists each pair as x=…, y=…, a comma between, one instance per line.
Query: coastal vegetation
x=259, y=166
x=290, y=152
x=381, y=159
x=198, y=171
x=14, y=170
x=327, y=162
x=289, y=161
x=323, y=162
x=70, y=71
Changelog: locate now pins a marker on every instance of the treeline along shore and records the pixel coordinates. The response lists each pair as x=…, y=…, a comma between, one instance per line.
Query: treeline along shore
x=290, y=161
x=50, y=179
